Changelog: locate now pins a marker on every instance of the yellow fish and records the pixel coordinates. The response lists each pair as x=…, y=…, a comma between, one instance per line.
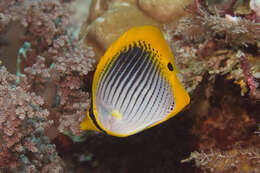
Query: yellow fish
x=135, y=86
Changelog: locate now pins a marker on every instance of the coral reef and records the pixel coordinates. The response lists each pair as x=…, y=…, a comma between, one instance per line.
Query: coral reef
x=239, y=160
x=60, y=82
x=206, y=47
x=53, y=47
x=54, y=64
x=227, y=136
x=24, y=145
x=119, y=15
x=54, y=68
x=216, y=42
x=165, y=11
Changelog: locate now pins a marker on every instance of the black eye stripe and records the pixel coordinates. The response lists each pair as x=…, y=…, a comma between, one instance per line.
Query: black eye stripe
x=170, y=67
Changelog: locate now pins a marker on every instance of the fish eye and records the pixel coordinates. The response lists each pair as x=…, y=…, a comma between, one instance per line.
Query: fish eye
x=170, y=67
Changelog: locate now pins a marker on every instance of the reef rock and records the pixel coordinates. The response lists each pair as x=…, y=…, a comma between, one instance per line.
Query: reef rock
x=119, y=17
x=97, y=8
x=134, y=2
x=164, y=10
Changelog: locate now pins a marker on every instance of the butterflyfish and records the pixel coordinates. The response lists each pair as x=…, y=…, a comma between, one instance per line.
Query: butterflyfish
x=135, y=85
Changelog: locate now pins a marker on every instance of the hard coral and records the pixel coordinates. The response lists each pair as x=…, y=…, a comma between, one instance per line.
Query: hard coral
x=24, y=147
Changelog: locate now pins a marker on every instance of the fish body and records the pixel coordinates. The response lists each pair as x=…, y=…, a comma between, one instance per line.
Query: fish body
x=135, y=86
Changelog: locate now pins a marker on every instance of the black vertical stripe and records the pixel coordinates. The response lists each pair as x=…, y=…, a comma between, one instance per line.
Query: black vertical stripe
x=151, y=68
x=153, y=91
x=128, y=79
x=110, y=65
x=107, y=74
x=147, y=58
x=140, y=81
x=137, y=72
x=134, y=73
x=132, y=70
x=155, y=100
x=117, y=74
x=149, y=89
x=123, y=57
x=92, y=116
x=164, y=90
x=127, y=68
x=101, y=83
x=161, y=88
